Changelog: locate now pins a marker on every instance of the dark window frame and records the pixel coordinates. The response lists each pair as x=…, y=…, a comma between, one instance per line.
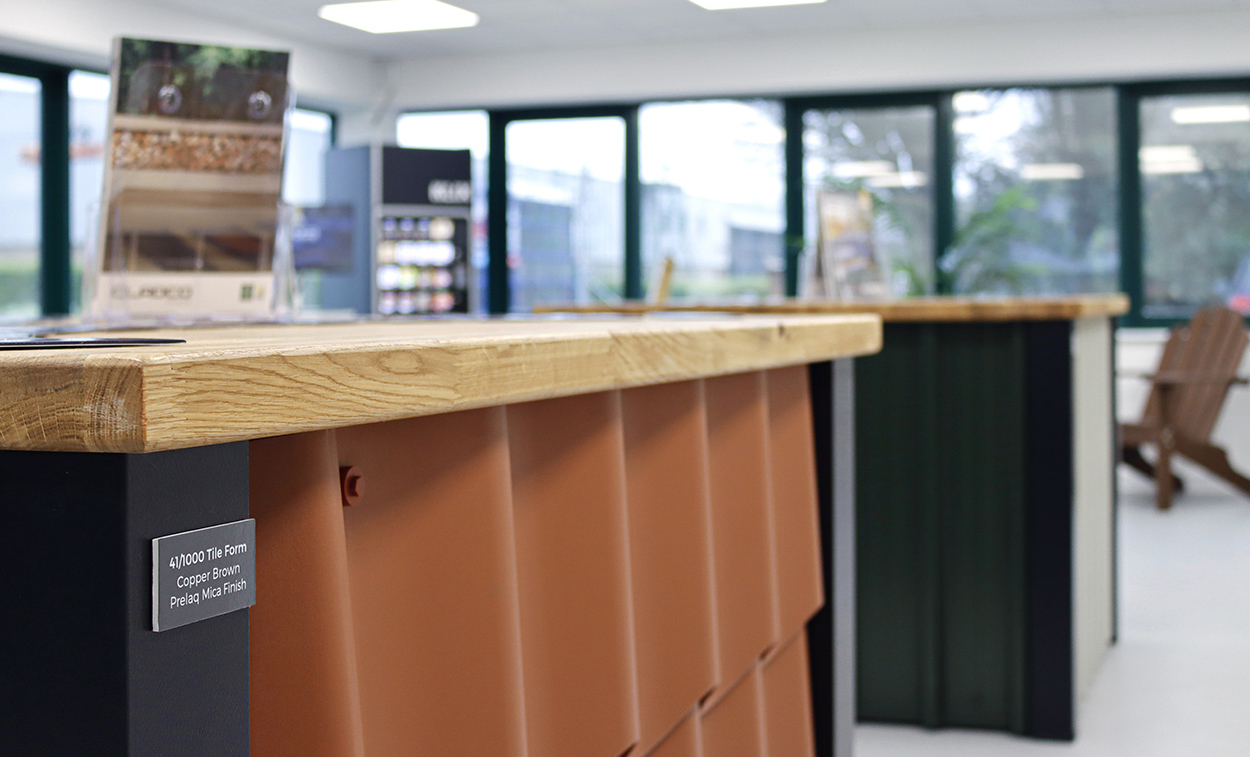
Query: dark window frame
x=55, y=275
x=54, y=168
x=1132, y=220
x=1127, y=94
x=497, y=193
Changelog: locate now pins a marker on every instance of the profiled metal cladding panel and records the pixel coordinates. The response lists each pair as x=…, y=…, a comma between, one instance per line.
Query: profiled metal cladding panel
x=788, y=700
x=940, y=471
x=577, y=640
x=433, y=578
x=746, y=593
x=304, y=696
x=670, y=552
x=686, y=740
x=981, y=463
x=734, y=726
x=796, y=521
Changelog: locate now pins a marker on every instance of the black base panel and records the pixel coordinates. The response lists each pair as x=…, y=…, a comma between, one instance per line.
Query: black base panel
x=1050, y=710
x=81, y=670
x=820, y=627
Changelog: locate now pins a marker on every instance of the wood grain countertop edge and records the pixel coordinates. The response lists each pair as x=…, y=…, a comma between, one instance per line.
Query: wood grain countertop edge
x=97, y=402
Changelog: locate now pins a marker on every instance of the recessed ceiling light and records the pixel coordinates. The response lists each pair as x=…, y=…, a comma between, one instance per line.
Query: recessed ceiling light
x=723, y=5
x=390, y=16
x=1211, y=114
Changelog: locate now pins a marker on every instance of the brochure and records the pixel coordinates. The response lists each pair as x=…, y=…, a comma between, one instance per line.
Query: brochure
x=193, y=180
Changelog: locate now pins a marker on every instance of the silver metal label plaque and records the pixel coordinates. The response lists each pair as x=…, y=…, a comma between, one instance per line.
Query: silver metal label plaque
x=201, y=574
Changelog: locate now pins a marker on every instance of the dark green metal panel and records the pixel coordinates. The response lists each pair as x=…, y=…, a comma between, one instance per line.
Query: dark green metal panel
x=896, y=477
x=940, y=434
x=980, y=380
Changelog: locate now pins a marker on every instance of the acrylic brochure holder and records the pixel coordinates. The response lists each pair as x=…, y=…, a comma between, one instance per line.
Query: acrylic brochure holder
x=190, y=226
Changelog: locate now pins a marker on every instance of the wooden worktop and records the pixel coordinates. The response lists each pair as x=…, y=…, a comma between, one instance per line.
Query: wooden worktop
x=911, y=310
x=236, y=383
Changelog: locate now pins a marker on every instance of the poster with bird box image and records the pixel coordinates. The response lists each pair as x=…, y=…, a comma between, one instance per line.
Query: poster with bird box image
x=192, y=182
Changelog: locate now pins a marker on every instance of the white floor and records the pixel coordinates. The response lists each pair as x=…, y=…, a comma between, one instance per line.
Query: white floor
x=1178, y=683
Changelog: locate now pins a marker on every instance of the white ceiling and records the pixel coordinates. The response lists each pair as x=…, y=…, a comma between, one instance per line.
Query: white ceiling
x=519, y=25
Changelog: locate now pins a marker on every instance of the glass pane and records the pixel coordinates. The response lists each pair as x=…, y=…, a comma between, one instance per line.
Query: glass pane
x=713, y=197
x=88, y=123
x=308, y=140
x=566, y=208
x=460, y=130
x=19, y=197
x=885, y=156
x=1035, y=192
x=1195, y=164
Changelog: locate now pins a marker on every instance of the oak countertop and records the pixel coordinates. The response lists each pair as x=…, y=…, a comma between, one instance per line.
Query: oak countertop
x=246, y=382
x=911, y=310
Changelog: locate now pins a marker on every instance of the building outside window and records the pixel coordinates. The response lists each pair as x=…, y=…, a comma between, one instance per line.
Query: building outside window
x=566, y=210
x=713, y=196
x=309, y=138
x=19, y=196
x=88, y=124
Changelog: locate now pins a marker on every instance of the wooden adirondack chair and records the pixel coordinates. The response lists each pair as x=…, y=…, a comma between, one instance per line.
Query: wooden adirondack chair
x=1199, y=365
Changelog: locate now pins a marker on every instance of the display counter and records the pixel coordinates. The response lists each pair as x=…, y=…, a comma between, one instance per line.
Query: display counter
x=510, y=537
x=985, y=470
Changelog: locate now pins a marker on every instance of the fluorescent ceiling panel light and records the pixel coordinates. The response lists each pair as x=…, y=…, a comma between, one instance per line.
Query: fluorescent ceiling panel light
x=390, y=16
x=899, y=180
x=1211, y=114
x=1052, y=172
x=724, y=5
x=860, y=169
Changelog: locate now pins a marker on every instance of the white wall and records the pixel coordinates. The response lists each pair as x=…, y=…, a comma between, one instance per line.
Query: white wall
x=1030, y=50
x=1138, y=353
x=80, y=33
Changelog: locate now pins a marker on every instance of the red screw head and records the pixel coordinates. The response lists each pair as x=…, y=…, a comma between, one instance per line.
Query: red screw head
x=352, y=483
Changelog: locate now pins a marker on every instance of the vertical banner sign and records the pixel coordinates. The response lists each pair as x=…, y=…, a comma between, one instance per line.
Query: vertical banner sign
x=201, y=574
x=192, y=181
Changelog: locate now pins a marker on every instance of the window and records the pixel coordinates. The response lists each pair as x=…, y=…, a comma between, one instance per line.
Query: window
x=566, y=208
x=886, y=155
x=19, y=196
x=1035, y=192
x=459, y=130
x=1195, y=173
x=713, y=196
x=88, y=124
x=308, y=140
